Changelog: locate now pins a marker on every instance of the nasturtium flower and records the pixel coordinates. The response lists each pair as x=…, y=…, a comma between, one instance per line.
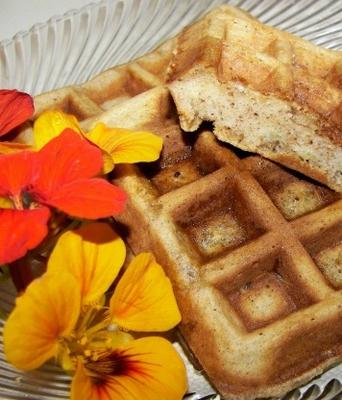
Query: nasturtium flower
x=93, y=254
x=50, y=124
x=63, y=315
x=147, y=368
x=125, y=146
x=46, y=313
x=15, y=108
x=118, y=145
x=62, y=174
x=21, y=231
x=136, y=306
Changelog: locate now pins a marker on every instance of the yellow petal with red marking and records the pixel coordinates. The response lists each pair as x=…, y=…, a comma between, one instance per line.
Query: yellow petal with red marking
x=46, y=312
x=51, y=124
x=93, y=254
x=143, y=299
x=148, y=369
x=126, y=146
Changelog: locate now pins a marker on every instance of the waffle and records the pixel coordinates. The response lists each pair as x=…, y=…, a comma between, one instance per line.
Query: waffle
x=265, y=90
x=253, y=250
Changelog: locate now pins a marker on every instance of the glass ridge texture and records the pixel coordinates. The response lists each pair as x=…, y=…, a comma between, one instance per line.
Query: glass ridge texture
x=72, y=48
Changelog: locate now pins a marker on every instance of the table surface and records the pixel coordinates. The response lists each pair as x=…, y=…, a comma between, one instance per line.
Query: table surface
x=20, y=15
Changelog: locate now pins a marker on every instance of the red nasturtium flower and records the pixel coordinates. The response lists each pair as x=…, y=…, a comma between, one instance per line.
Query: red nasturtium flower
x=15, y=108
x=62, y=175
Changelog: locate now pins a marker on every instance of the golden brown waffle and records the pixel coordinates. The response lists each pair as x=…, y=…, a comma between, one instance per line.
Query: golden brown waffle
x=298, y=125
x=265, y=90
x=253, y=250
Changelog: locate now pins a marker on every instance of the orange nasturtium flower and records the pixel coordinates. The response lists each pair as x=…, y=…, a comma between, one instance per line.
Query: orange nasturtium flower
x=15, y=108
x=118, y=145
x=63, y=315
x=62, y=175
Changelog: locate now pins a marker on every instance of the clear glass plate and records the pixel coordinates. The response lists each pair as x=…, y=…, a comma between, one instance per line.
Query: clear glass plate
x=71, y=48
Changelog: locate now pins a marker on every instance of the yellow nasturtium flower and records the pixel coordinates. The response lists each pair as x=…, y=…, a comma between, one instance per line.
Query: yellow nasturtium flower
x=93, y=254
x=62, y=315
x=147, y=368
x=47, y=312
x=136, y=306
x=50, y=124
x=118, y=145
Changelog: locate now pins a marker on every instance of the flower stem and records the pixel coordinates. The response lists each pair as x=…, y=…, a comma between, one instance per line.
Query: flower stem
x=21, y=274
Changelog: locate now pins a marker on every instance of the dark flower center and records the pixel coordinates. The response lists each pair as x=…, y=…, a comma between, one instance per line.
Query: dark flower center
x=26, y=199
x=114, y=364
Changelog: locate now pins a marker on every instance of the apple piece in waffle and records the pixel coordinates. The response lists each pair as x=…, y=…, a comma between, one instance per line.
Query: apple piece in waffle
x=255, y=270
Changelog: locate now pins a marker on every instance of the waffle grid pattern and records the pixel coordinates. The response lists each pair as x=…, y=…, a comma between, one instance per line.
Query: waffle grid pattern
x=220, y=235
x=252, y=255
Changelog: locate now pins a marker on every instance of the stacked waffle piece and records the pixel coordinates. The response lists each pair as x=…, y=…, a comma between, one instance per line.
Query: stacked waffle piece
x=265, y=90
x=253, y=249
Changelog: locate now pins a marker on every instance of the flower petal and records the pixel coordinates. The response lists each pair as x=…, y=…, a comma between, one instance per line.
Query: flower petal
x=15, y=108
x=147, y=368
x=13, y=147
x=14, y=179
x=47, y=311
x=20, y=231
x=5, y=202
x=93, y=254
x=89, y=198
x=126, y=146
x=82, y=386
x=143, y=299
x=64, y=159
x=51, y=124
x=108, y=164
